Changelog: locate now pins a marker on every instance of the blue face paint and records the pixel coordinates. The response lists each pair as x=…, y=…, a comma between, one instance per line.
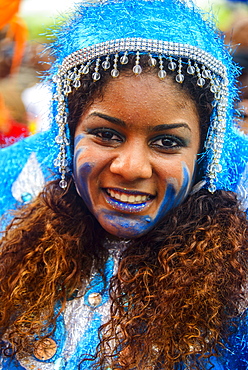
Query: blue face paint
x=118, y=217
x=184, y=187
x=125, y=225
x=81, y=175
x=77, y=151
x=131, y=175
x=171, y=199
x=77, y=139
x=128, y=225
x=81, y=181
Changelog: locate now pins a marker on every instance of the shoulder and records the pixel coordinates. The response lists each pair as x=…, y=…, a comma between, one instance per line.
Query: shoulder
x=10, y=363
x=234, y=174
x=25, y=167
x=235, y=354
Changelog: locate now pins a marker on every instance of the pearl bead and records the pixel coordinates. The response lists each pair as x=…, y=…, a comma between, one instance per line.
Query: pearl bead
x=94, y=299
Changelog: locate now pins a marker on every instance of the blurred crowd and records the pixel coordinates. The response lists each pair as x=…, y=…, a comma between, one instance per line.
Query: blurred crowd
x=237, y=36
x=24, y=101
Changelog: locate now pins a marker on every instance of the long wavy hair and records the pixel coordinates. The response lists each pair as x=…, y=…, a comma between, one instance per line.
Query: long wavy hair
x=176, y=291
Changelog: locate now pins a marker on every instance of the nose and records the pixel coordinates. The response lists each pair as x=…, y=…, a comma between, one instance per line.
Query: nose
x=132, y=162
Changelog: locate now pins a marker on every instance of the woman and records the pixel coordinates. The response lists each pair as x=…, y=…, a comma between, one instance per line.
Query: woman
x=136, y=256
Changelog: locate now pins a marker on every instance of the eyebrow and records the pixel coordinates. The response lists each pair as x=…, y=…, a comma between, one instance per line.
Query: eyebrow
x=114, y=120
x=157, y=128
x=170, y=126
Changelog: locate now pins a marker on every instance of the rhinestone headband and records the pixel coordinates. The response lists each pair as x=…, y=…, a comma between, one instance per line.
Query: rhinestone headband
x=199, y=63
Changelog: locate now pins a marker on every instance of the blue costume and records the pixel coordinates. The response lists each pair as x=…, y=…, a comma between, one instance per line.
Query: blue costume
x=76, y=335
x=166, y=29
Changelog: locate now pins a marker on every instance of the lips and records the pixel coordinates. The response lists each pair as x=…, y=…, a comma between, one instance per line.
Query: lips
x=127, y=199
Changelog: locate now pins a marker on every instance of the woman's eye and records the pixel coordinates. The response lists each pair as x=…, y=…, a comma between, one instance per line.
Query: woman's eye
x=106, y=135
x=168, y=143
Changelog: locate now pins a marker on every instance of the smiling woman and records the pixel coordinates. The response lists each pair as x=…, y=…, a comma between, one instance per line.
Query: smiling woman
x=134, y=158
x=134, y=254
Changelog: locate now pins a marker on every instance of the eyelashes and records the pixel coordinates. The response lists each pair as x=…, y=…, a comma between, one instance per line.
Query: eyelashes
x=164, y=142
x=106, y=134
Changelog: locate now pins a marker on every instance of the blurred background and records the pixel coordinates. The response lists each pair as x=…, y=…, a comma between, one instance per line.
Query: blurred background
x=24, y=101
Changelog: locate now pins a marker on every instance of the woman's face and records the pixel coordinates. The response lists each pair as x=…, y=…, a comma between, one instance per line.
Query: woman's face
x=135, y=153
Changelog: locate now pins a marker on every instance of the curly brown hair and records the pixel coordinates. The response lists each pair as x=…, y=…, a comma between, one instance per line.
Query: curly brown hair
x=173, y=297
x=177, y=288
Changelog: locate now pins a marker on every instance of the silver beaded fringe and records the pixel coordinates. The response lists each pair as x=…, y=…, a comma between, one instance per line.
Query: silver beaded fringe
x=199, y=63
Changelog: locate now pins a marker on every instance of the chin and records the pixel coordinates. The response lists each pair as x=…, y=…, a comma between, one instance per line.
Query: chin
x=125, y=226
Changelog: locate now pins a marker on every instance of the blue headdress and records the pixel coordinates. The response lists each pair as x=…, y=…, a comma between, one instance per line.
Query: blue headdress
x=102, y=35
x=107, y=32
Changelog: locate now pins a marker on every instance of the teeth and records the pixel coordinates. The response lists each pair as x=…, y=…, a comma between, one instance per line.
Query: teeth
x=124, y=198
x=131, y=198
x=127, y=198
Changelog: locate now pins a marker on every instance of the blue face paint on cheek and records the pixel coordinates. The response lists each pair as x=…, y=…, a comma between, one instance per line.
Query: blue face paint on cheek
x=77, y=139
x=81, y=173
x=185, y=186
x=77, y=151
x=171, y=199
x=81, y=181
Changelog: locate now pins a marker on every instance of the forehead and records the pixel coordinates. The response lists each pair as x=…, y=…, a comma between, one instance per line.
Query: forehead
x=147, y=83
x=144, y=97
